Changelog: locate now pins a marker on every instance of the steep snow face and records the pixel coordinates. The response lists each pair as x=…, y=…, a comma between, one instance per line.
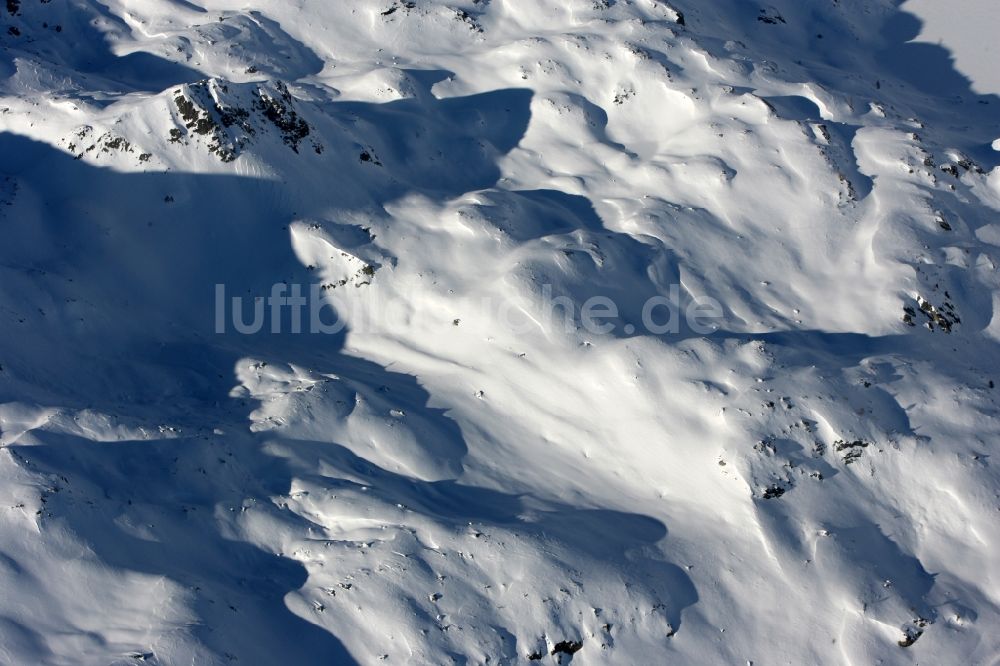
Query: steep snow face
x=449, y=462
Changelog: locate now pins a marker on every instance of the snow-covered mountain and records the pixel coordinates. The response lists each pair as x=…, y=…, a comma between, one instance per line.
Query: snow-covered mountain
x=432, y=454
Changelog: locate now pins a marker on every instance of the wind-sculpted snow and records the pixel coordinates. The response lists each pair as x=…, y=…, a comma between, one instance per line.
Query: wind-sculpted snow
x=776, y=448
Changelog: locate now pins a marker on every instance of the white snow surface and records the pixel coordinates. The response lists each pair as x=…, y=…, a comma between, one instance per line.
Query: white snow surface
x=969, y=29
x=812, y=482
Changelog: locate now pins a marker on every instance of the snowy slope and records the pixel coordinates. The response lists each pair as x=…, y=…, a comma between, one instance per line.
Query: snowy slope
x=968, y=29
x=456, y=476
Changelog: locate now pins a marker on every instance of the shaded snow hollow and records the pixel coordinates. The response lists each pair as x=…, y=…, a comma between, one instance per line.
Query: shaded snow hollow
x=810, y=481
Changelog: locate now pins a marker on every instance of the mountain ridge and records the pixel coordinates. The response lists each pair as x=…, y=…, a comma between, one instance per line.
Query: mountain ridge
x=453, y=475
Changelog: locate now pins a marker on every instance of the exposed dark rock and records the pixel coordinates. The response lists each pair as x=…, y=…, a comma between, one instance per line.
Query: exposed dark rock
x=851, y=450
x=910, y=637
x=773, y=492
x=567, y=647
x=944, y=317
x=771, y=17
x=468, y=19
x=229, y=126
x=408, y=5
x=280, y=112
